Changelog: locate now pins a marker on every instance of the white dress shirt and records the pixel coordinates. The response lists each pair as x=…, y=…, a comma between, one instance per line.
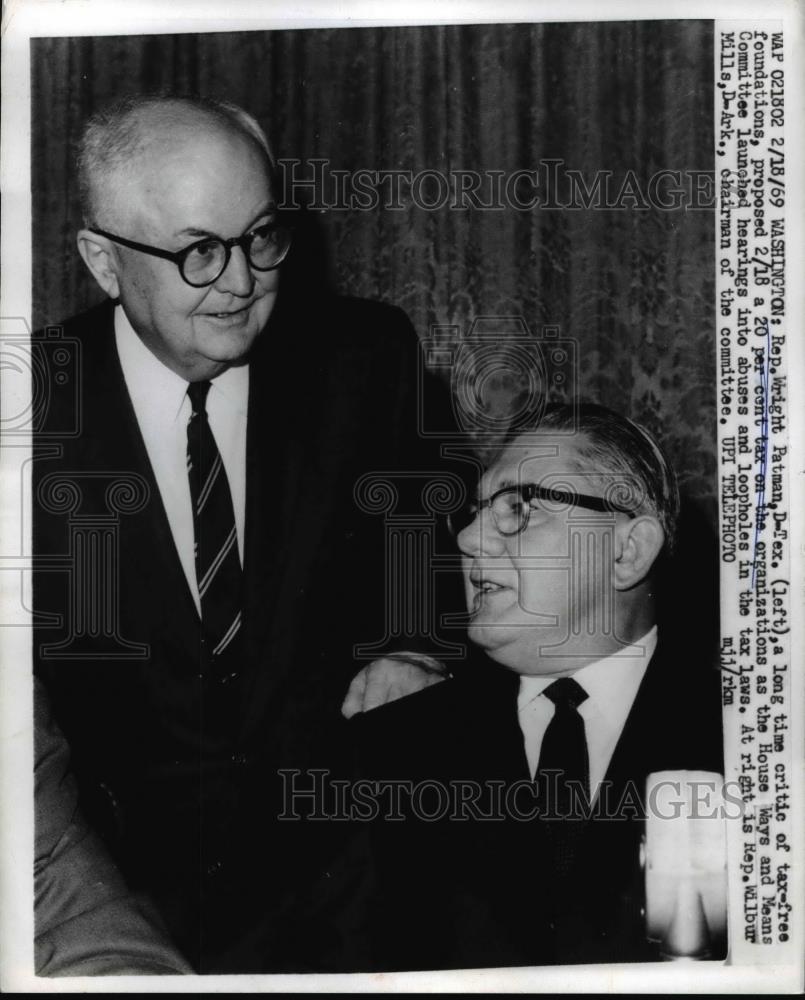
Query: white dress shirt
x=611, y=685
x=162, y=408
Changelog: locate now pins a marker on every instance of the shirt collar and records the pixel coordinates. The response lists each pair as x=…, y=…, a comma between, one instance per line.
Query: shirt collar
x=608, y=682
x=152, y=382
x=147, y=378
x=233, y=384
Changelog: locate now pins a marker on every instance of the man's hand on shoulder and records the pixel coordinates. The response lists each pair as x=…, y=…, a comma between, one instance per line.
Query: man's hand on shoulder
x=389, y=678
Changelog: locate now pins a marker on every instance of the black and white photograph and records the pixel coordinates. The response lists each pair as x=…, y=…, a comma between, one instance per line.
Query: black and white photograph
x=401, y=453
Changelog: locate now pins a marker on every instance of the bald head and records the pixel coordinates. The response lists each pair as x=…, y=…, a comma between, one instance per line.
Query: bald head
x=119, y=143
x=166, y=177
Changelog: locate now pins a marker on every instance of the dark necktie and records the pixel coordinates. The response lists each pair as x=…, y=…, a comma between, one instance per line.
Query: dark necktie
x=564, y=772
x=218, y=571
x=563, y=765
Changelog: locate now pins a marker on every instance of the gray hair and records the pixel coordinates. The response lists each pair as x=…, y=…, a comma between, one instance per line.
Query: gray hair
x=607, y=443
x=113, y=136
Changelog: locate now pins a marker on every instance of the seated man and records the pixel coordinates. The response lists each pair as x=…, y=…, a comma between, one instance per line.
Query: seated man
x=522, y=805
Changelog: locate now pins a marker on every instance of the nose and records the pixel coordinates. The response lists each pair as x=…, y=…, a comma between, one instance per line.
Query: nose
x=237, y=277
x=481, y=537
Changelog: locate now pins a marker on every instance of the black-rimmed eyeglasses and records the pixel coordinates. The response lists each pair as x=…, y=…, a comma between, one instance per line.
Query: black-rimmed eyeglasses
x=204, y=261
x=511, y=507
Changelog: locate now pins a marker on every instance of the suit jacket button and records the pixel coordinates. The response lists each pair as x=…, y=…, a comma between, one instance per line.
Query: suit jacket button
x=214, y=868
x=239, y=758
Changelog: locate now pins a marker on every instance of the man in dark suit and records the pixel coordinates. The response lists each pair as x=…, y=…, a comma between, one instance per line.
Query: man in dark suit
x=521, y=785
x=205, y=570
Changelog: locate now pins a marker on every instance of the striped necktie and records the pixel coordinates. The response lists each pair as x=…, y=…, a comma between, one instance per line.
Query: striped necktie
x=218, y=571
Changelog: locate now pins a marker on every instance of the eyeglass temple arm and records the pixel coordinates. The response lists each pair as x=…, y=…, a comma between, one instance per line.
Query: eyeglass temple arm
x=171, y=255
x=531, y=490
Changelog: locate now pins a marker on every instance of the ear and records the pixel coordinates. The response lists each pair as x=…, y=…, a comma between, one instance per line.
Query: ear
x=101, y=258
x=638, y=542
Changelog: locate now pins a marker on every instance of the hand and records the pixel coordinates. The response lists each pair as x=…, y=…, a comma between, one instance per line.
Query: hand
x=389, y=678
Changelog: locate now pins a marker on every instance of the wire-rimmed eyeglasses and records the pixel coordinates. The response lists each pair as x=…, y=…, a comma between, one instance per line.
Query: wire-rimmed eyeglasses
x=204, y=261
x=511, y=508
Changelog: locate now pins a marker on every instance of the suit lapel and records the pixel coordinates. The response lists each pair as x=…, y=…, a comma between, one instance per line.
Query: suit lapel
x=670, y=726
x=146, y=536
x=280, y=538
x=635, y=752
x=495, y=747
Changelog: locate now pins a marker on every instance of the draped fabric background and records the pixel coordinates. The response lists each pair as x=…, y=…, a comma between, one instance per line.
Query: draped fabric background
x=631, y=287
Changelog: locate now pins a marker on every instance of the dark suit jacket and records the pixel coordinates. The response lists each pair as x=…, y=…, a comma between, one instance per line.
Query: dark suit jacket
x=475, y=892
x=181, y=775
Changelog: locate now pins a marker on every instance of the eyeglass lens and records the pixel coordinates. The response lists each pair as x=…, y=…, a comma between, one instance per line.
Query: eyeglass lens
x=265, y=248
x=509, y=512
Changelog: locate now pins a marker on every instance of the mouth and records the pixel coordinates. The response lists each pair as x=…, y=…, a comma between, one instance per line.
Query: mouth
x=484, y=585
x=230, y=314
x=484, y=594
